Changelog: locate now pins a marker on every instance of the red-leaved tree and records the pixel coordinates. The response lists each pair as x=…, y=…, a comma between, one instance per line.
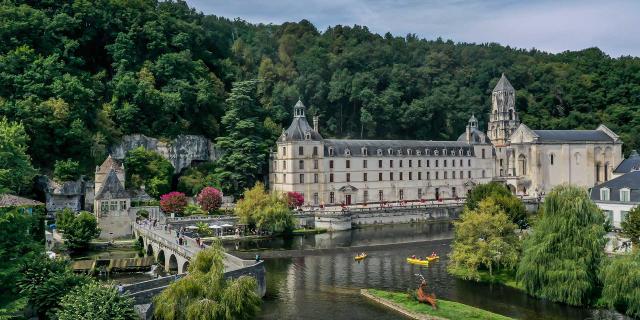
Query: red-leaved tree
x=173, y=202
x=210, y=199
x=295, y=199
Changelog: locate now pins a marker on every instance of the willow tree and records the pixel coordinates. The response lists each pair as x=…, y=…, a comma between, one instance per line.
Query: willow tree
x=205, y=294
x=621, y=284
x=561, y=257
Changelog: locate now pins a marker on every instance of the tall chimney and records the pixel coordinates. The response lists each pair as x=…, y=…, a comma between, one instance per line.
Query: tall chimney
x=315, y=123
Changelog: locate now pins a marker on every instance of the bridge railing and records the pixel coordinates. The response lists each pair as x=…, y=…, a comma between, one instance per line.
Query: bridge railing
x=184, y=251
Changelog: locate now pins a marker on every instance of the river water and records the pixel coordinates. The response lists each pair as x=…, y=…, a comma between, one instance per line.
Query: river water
x=325, y=283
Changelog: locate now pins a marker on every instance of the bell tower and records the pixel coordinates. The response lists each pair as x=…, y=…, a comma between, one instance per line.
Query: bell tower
x=503, y=120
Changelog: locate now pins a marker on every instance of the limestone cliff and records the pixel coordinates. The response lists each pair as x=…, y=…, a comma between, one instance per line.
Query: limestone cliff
x=181, y=151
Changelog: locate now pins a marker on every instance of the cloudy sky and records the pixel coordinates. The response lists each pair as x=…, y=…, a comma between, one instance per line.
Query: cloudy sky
x=549, y=25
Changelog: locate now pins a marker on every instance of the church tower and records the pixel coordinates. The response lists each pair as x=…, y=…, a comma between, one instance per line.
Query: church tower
x=503, y=120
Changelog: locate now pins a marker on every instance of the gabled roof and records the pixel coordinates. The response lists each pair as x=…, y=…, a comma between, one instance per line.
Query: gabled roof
x=110, y=164
x=9, y=200
x=631, y=162
x=629, y=180
x=112, y=188
x=503, y=84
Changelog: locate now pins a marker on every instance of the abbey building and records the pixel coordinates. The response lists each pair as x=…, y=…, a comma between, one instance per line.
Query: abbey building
x=530, y=162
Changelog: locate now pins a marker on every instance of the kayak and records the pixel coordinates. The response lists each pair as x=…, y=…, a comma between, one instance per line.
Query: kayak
x=433, y=258
x=360, y=257
x=418, y=261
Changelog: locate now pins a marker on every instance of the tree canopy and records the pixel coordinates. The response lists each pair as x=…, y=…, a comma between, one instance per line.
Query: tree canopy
x=621, y=283
x=148, y=168
x=631, y=226
x=96, y=301
x=267, y=211
x=81, y=230
x=510, y=204
x=16, y=171
x=561, y=256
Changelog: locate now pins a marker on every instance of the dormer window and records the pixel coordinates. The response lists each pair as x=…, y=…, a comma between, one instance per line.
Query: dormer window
x=390, y=151
x=625, y=195
x=379, y=152
x=468, y=152
x=435, y=152
x=365, y=151
x=347, y=152
x=331, y=151
x=399, y=152
x=307, y=135
x=418, y=152
x=427, y=152
x=604, y=194
x=444, y=152
x=460, y=152
x=409, y=152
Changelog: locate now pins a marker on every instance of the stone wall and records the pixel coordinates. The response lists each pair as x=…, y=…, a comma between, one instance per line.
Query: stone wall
x=181, y=151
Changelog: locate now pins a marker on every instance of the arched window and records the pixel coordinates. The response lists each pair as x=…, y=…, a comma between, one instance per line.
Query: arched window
x=435, y=152
x=307, y=135
x=598, y=169
x=418, y=152
x=390, y=151
x=331, y=151
x=284, y=151
x=427, y=152
x=315, y=151
x=379, y=152
x=522, y=165
x=347, y=152
x=444, y=152
x=399, y=152
x=510, y=114
x=606, y=171
x=409, y=152
x=365, y=151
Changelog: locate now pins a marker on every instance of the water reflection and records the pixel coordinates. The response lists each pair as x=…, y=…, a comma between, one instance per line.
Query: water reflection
x=326, y=286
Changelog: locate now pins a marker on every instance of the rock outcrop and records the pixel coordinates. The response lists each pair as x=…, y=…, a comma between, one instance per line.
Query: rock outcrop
x=182, y=151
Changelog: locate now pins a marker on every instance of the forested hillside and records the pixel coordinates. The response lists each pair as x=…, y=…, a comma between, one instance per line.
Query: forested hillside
x=79, y=74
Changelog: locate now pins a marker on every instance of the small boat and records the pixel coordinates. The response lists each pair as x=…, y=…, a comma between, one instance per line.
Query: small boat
x=433, y=258
x=360, y=257
x=418, y=261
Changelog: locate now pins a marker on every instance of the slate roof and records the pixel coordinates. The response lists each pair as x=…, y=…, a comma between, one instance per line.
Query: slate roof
x=476, y=136
x=631, y=162
x=503, y=84
x=112, y=188
x=356, y=147
x=629, y=180
x=110, y=164
x=9, y=200
x=572, y=135
x=299, y=126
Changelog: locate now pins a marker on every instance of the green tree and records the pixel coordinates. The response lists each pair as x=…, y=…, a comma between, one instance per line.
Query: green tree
x=244, y=140
x=96, y=301
x=148, y=168
x=205, y=294
x=561, y=256
x=16, y=172
x=510, y=204
x=621, y=279
x=81, y=231
x=66, y=170
x=267, y=211
x=203, y=229
x=64, y=219
x=484, y=238
x=631, y=226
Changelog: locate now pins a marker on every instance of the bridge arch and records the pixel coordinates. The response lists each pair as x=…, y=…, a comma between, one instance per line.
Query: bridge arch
x=161, y=259
x=149, y=250
x=185, y=267
x=173, y=264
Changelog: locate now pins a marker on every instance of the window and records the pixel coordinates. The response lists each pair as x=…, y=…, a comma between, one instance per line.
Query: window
x=608, y=214
x=315, y=198
x=625, y=195
x=380, y=195
x=419, y=175
x=483, y=174
x=427, y=152
x=435, y=152
x=437, y=174
x=315, y=163
x=301, y=178
x=364, y=164
x=315, y=151
x=307, y=135
x=347, y=152
x=113, y=205
x=364, y=176
x=469, y=163
x=330, y=164
x=453, y=192
x=348, y=177
x=461, y=174
x=332, y=197
x=419, y=193
x=604, y=194
x=453, y=174
x=379, y=152
x=123, y=205
x=409, y=152
x=315, y=178
x=379, y=163
x=419, y=163
x=453, y=162
x=400, y=175
x=436, y=163
x=379, y=176
x=330, y=177
x=469, y=174
x=410, y=163
x=428, y=163
x=366, y=196
x=300, y=151
x=301, y=164
x=275, y=165
x=104, y=207
x=623, y=216
x=390, y=163
x=444, y=152
x=365, y=151
x=400, y=163
x=410, y=175
x=483, y=156
x=331, y=151
x=348, y=164
x=284, y=178
x=401, y=194
x=390, y=176
x=428, y=175
x=390, y=151
x=445, y=175
x=284, y=165
x=551, y=158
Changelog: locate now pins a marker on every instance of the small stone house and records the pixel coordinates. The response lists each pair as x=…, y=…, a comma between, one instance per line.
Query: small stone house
x=112, y=200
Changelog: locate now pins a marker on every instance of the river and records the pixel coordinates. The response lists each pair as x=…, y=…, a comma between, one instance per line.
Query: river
x=325, y=283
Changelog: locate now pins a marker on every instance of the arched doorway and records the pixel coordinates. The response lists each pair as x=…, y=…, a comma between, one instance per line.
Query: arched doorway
x=161, y=258
x=173, y=264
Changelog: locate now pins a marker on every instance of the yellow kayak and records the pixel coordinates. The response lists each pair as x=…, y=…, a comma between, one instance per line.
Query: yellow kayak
x=360, y=256
x=418, y=261
x=433, y=258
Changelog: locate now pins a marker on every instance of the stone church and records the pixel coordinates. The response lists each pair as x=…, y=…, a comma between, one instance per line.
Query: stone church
x=530, y=162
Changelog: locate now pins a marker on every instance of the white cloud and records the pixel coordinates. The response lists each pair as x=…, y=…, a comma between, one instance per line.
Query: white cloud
x=547, y=25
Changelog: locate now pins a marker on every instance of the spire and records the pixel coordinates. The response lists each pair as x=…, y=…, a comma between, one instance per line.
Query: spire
x=503, y=84
x=473, y=122
x=298, y=110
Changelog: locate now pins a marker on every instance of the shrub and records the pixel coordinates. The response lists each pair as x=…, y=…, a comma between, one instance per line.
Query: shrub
x=173, y=202
x=210, y=199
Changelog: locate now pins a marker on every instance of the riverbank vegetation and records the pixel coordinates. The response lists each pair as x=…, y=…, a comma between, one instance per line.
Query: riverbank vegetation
x=205, y=294
x=446, y=309
x=267, y=211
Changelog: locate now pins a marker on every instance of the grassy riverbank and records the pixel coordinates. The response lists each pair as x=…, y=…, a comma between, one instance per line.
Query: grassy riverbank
x=446, y=309
x=504, y=277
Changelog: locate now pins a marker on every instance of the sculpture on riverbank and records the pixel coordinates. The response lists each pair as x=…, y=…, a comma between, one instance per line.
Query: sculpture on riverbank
x=422, y=296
